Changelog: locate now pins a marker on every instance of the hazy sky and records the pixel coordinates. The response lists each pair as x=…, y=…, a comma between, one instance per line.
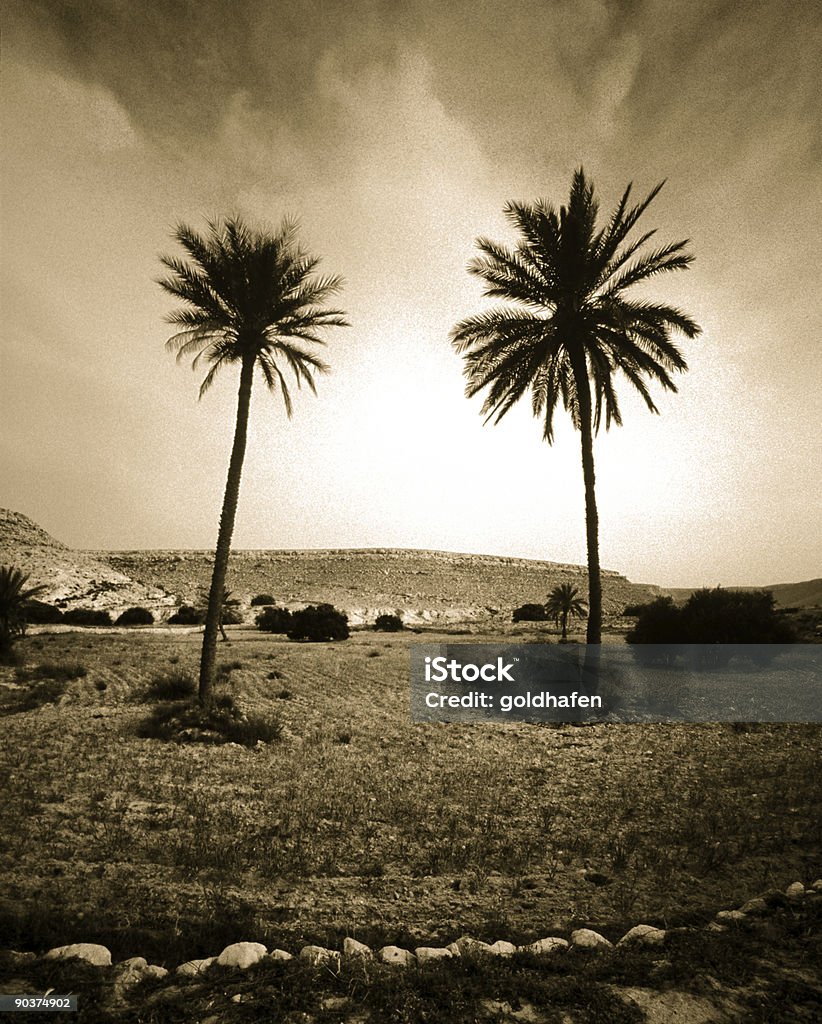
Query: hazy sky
x=396, y=130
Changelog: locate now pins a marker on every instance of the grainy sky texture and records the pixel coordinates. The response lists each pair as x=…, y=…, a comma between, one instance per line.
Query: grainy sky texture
x=396, y=131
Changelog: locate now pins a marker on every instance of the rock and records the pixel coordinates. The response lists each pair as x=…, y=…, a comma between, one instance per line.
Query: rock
x=543, y=947
x=465, y=945
x=586, y=938
x=280, y=954
x=715, y=926
x=756, y=907
x=730, y=917
x=19, y=987
x=427, y=954
x=242, y=955
x=335, y=1003
x=127, y=974
x=817, y=885
x=16, y=959
x=396, y=956
x=351, y=947
x=154, y=971
x=795, y=891
x=502, y=948
x=191, y=968
x=99, y=956
x=643, y=935
x=319, y=956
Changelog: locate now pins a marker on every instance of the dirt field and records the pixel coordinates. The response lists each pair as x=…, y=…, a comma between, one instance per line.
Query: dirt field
x=357, y=822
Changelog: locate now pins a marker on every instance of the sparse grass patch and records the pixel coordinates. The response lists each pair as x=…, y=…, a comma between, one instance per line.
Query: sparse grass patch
x=49, y=691
x=220, y=722
x=177, y=685
x=53, y=670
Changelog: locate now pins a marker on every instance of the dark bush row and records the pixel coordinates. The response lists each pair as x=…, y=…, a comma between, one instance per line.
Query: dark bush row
x=317, y=622
x=389, y=623
x=530, y=613
x=38, y=613
x=712, y=617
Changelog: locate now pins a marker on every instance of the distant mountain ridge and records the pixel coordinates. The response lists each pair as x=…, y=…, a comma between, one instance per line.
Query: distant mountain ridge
x=420, y=585
x=806, y=594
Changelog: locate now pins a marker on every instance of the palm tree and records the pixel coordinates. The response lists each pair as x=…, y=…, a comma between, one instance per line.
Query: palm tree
x=572, y=326
x=13, y=597
x=563, y=603
x=253, y=299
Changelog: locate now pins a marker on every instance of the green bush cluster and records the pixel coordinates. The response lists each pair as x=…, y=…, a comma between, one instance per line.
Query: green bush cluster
x=38, y=613
x=530, y=613
x=389, y=623
x=712, y=617
x=87, y=617
x=187, y=615
x=274, y=620
x=318, y=623
x=135, y=617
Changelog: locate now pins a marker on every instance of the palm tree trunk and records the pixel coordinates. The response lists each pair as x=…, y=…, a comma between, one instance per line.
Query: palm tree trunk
x=208, y=659
x=594, y=630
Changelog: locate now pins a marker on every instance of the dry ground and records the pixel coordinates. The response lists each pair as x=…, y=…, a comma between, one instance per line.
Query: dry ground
x=359, y=822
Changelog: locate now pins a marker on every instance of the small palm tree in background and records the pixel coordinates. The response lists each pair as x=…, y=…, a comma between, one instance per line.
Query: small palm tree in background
x=572, y=327
x=253, y=300
x=563, y=603
x=13, y=597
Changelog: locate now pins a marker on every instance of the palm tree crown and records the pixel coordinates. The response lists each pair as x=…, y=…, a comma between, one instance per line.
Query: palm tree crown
x=563, y=603
x=249, y=293
x=572, y=327
x=14, y=594
x=252, y=298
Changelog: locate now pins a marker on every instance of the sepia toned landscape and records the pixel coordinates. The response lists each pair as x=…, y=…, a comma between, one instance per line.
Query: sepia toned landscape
x=350, y=822
x=410, y=565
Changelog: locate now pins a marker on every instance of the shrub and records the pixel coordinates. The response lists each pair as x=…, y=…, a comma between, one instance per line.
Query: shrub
x=187, y=615
x=274, y=620
x=48, y=691
x=658, y=622
x=389, y=623
x=135, y=617
x=38, y=613
x=175, y=685
x=231, y=616
x=530, y=613
x=319, y=622
x=54, y=670
x=712, y=617
x=262, y=599
x=734, y=617
x=219, y=722
x=87, y=617
x=631, y=611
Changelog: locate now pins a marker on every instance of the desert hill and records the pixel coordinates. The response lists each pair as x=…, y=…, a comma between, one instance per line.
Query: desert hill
x=807, y=594
x=73, y=578
x=422, y=586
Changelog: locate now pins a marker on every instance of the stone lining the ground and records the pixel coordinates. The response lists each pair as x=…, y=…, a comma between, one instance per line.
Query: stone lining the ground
x=243, y=955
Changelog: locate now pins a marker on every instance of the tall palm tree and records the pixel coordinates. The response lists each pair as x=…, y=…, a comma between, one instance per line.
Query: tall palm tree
x=572, y=326
x=563, y=603
x=253, y=299
x=13, y=597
